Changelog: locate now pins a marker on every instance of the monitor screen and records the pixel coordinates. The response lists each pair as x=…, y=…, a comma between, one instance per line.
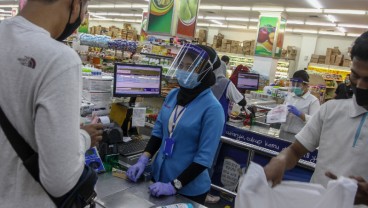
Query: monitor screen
x=247, y=81
x=132, y=80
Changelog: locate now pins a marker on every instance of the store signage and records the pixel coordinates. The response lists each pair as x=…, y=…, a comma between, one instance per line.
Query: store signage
x=144, y=25
x=187, y=18
x=262, y=141
x=160, y=20
x=84, y=27
x=266, y=36
x=22, y=3
x=280, y=38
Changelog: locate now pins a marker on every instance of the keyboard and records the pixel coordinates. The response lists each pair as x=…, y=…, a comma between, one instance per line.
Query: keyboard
x=132, y=147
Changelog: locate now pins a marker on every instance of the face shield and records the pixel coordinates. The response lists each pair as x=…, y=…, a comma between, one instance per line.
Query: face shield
x=189, y=66
x=297, y=86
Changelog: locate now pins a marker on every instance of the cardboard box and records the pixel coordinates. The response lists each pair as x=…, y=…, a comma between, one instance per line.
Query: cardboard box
x=339, y=60
x=332, y=59
x=347, y=63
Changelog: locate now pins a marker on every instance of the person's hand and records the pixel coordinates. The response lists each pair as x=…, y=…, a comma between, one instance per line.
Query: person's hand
x=135, y=171
x=275, y=170
x=95, y=131
x=361, y=196
x=292, y=109
x=162, y=189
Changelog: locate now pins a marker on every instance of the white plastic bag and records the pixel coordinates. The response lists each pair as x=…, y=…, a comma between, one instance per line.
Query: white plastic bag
x=255, y=192
x=277, y=114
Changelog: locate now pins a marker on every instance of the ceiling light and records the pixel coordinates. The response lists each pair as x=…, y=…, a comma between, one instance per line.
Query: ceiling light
x=315, y=3
x=102, y=6
x=237, y=19
x=98, y=16
x=208, y=7
x=268, y=9
x=1, y=10
x=217, y=22
x=139, y=6
x=295, y=22
x=354, y=26
x=331, y=33
x=305, y=31
x=236, y=8
x=341, y=29
x=289, y=30
x=354, y=34
x=203, y=24
x=200, y=17
x=237, y=26
x=252, y=28
x=214, y=18
x=217, y=25
x=303, y=10
x=344, y=11
x=326, y=24
x=9, y=6
x=331, y=18
x=253, y=20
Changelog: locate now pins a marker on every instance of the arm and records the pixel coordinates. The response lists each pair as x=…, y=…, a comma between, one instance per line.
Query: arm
x=60, y=141
x=234, y=95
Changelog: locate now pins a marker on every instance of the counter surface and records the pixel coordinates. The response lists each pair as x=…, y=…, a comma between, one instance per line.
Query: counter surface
x=113, y=192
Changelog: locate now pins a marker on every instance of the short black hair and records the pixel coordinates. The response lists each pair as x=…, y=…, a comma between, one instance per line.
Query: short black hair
x=360, y=48
x=301, y=74
x=225, y=59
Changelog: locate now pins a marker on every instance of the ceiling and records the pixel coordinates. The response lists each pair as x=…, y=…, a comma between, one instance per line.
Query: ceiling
x=307, y=21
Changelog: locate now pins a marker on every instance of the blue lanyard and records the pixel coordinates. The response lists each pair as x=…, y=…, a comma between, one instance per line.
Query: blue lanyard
x=176, y=116
x=357, y=134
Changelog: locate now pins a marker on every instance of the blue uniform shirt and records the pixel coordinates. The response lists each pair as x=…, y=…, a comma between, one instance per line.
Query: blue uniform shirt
x=197, y=136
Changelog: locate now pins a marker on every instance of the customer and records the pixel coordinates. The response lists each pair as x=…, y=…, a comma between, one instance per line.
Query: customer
x=40, y=82
x=344, y=90
x=302, y=106
x=225, y=91
x=225, y=59
x=192, y=119
x=234, y=75
x=339, y=131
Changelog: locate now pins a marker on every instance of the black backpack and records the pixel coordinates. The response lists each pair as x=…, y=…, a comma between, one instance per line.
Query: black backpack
x=81, y=195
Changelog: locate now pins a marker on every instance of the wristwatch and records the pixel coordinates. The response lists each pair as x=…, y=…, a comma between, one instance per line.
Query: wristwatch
x=177, y=184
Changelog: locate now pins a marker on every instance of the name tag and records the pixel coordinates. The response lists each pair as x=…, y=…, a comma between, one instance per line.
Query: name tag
x=169, y=147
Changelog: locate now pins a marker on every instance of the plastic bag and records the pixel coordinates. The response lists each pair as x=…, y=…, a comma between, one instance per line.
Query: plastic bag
x=255, y=192
x=278, y=114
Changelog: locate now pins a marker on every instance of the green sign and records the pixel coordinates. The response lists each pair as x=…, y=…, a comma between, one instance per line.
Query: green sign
x=160, y=16
x=266, y=38
x=280, y=38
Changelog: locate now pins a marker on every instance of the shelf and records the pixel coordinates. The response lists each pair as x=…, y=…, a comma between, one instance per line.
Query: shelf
x=333, y=80
x=330, y=87
x=157, y=56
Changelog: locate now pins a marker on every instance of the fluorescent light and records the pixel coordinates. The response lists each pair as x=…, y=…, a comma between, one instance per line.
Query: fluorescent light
x=341, y=29
x=217, y=22
x=208, y=7
x=216, y=25
x=295, y=22
x=236, y=8
x=116, y=20
x=253, y=20
x=315, y=3
x=326, y=24
x=1, y=10
x=237, y=19
x=9, y=6
x=354, y=26
x=331, y=18
x=116, y=14
x=214, y=18
x=289, y=30
x=344, y=11
x=98, y=16
x=303, y=10
x=252, y=28
x=139, y=6
x=331, y=33
x=203, y=25
x=111, y=6
x=353, y=34
x=237, y=26
x=102, y=6
x=200, y=17
x=268, y=9
x=305, y=31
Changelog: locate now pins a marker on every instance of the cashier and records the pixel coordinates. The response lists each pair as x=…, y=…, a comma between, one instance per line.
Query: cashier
x=302, y=105
x=187, y=131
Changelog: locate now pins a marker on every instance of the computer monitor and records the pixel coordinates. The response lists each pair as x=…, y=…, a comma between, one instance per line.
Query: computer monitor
x=247, y=81
x=132, y=80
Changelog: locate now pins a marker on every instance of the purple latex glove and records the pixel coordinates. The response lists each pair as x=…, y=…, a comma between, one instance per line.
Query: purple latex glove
x=135, y=171
x=162, y=189
x=294, y=110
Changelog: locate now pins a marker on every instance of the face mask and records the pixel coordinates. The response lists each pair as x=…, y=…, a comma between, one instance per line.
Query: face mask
x=361, y=96
x=70, y=28
x=298, y=91
x=347, y=82
x=187, y=80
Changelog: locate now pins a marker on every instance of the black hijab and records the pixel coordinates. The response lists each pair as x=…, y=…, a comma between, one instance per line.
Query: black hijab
x=185, y=96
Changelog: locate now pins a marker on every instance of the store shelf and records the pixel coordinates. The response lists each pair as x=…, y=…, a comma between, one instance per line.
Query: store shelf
x=330, y=87
x=334, y=80
x=157, y=56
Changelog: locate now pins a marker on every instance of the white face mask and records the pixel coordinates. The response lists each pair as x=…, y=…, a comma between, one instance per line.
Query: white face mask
x=187, y=80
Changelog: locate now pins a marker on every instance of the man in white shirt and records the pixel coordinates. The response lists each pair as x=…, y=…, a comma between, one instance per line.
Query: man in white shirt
x=339, y=130
x=40, y=94
x=302, y=106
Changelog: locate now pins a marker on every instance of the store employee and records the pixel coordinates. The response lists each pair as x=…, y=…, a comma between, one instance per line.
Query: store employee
x=302, y=106
x=339, y=130
x=187, y=131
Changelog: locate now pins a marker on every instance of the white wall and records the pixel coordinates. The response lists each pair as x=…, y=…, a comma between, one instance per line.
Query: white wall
x=325, y=42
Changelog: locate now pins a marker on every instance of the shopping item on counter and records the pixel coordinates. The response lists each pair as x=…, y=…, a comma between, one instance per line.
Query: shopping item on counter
x=277, y=114
x=255, y=192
